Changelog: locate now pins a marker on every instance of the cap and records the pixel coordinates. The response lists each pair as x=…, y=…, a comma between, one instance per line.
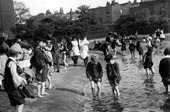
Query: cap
x=167, y=51
x=15, y=48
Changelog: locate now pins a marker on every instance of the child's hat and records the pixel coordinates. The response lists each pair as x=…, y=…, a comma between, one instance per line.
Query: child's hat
x=108, y=57
x=167, y=51
x=16, y=48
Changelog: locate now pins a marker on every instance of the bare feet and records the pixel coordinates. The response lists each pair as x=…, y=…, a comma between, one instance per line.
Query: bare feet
x=44, y=93
x=39, y=96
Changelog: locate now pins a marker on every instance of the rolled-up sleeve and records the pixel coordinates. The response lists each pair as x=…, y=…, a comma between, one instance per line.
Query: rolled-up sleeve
x=16, y=78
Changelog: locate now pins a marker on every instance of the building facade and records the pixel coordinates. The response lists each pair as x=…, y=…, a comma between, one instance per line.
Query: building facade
x=110, y=13
x=7, y=17
x=154, y=6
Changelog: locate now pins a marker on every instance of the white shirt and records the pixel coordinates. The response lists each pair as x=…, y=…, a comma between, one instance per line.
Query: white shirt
x=18, y=80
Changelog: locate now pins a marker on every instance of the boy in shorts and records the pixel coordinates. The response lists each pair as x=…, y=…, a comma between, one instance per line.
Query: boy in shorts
x=94, y=73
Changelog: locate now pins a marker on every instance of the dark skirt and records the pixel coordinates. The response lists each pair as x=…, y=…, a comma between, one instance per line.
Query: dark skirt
x=16, y=98
x=123, y=48
x=41, y=77
x=140, y=52
x=148, y=64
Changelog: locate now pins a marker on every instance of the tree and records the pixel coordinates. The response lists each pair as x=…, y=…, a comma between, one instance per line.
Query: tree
x=83, y=12
x=21, y=11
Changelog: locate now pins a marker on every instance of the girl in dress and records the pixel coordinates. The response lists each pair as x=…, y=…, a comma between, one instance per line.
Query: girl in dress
x=63, y=51
x=123, y=47
x=147, y=61
x=140, y=50
x=75, y=50
x=84, y=50
x=132, y=49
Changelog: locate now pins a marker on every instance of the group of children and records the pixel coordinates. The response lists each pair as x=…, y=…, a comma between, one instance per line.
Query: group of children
x=94, y=72
x=94, y=68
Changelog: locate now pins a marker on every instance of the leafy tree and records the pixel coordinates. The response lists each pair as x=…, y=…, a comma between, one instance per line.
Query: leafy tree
x=21, y=11
x=83, y=10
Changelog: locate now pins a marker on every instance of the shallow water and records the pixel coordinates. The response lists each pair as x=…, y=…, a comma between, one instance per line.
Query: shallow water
x=137, y=93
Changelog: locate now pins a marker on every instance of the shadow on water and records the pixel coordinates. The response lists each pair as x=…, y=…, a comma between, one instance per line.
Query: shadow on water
x=71, y=90
x=149, y=85
x=110, y=105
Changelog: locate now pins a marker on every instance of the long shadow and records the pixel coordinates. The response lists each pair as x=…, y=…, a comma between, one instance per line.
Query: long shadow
x=71, y=90
x=101, y=106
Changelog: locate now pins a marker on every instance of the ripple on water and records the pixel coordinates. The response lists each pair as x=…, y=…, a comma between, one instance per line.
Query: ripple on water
x=137, y=93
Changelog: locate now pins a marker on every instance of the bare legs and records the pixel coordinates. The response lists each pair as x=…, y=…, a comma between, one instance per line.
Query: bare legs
x=49, y=81
x=64, y=61
x=147, y=72
x=96, y=94
x=41, y=89
x=115, y=90
x=17, y=108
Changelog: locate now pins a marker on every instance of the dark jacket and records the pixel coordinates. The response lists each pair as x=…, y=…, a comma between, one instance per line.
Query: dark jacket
x=39, y=59
x=94, y=71
x=113, y=73
x=164, y=67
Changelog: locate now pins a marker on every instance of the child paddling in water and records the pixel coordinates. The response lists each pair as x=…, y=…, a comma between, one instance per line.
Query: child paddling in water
x=148, y=63
x=94, y=73
x=113, y=74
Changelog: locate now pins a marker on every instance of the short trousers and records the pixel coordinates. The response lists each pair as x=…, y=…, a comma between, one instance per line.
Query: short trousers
x=16, y=98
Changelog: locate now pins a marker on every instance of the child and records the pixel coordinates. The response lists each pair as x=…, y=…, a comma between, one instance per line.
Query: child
x=94, y=73
x=132, y=49
x=113, y=74
x=164, y=69
x=147, y=61
x=140, y=50
x=63, y=51
x=123, y=47
x=12, y=80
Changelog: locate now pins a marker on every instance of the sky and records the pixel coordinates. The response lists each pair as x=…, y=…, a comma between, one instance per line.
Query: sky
x=40, y=6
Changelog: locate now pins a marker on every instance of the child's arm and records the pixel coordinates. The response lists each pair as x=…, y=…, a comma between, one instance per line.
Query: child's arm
x=16, y=78
x=87, y=71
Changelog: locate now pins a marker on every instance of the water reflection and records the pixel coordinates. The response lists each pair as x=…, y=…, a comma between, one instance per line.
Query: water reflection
x=138, y=93
x=111, y=105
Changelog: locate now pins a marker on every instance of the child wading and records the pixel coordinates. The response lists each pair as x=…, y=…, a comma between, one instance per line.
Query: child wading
x=164, y=69
x=113, y=74
x=147, y=62
x=94, y=73
x=132, y=49
x=140, y=50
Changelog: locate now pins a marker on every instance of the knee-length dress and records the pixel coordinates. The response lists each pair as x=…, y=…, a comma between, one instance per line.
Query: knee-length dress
x=148, y=63
x=75, y=48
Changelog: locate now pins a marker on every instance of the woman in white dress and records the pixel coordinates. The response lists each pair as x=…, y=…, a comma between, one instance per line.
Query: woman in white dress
x=84, y=50
x=75, y=50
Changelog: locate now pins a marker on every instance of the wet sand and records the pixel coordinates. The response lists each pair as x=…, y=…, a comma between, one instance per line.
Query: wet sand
x=71, y=90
